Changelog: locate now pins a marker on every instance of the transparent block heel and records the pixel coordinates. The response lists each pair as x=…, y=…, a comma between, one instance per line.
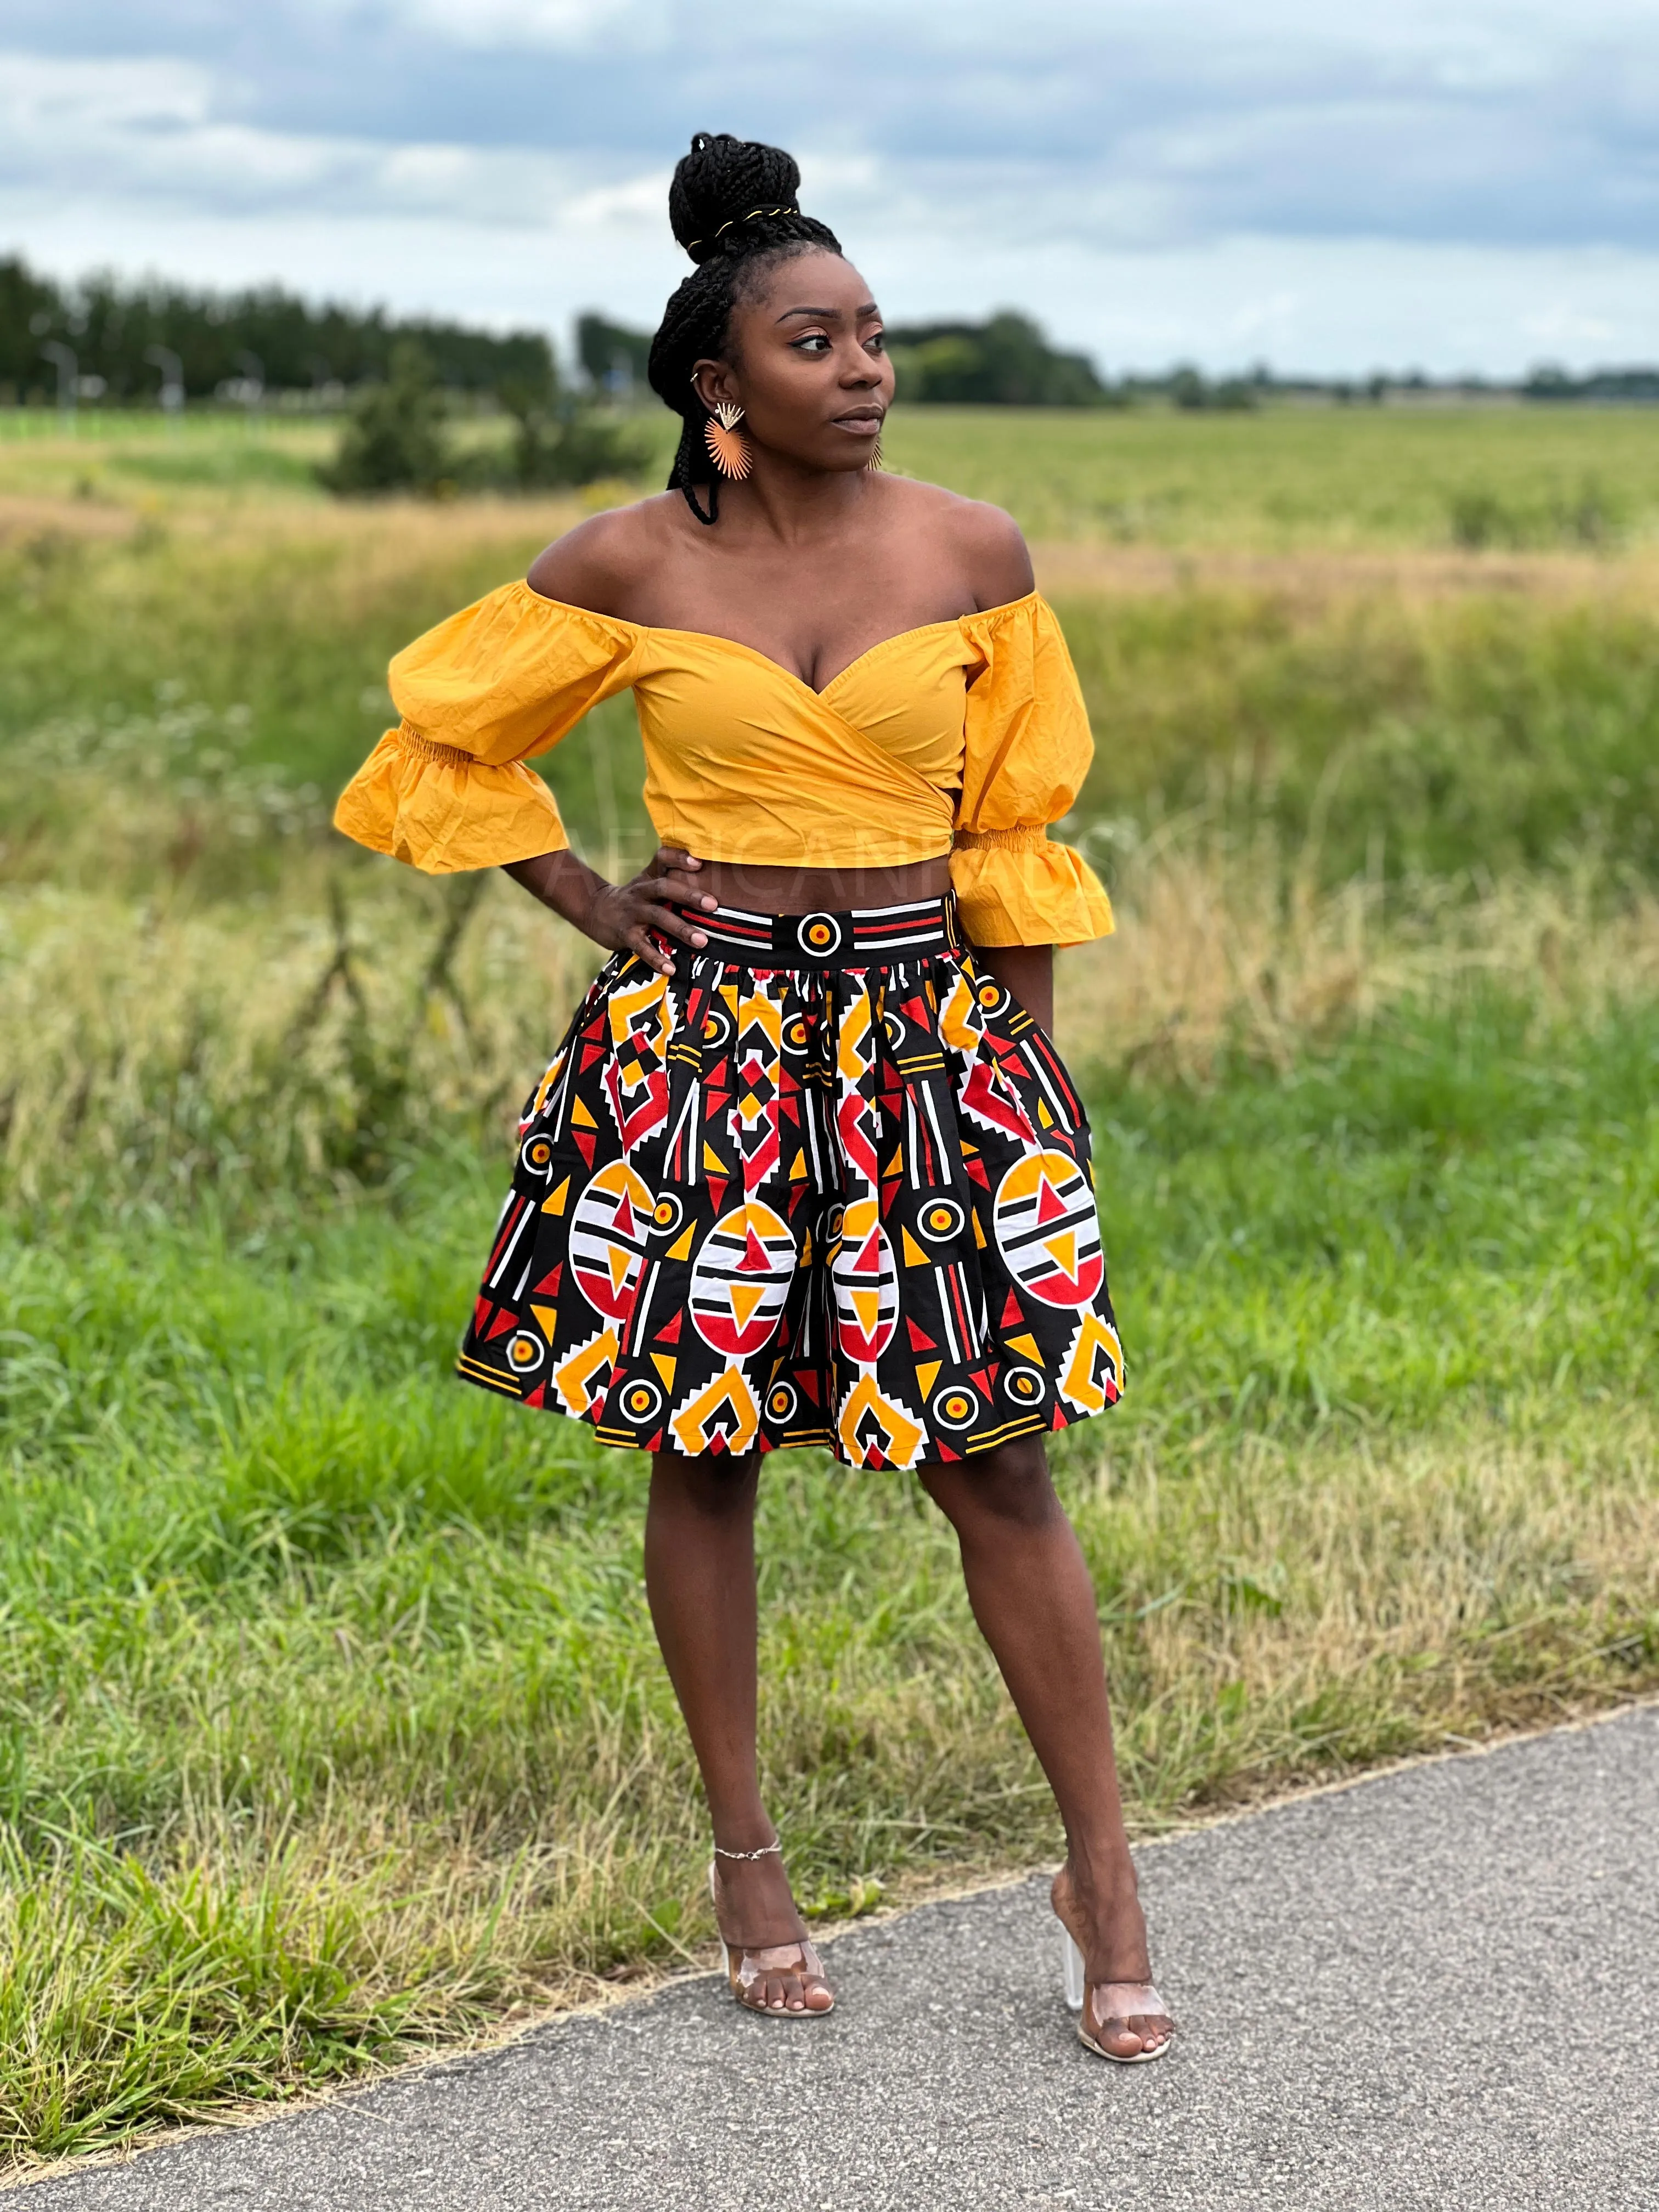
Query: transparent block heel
x=1071, y=1960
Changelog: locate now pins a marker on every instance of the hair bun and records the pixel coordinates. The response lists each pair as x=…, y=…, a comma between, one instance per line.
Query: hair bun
x=726, y=191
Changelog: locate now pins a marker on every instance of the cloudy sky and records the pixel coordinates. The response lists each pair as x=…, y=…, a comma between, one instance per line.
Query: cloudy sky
x=1452, y=184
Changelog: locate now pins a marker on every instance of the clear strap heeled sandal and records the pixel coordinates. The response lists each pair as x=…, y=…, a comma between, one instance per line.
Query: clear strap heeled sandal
x=1109, y=2007
x=744, y=1968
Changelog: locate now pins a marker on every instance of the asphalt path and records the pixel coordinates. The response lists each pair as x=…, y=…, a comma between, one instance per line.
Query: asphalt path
x=1439, y=1988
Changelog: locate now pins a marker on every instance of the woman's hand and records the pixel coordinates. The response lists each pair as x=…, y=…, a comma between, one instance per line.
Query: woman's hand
x=621, y=916
x=624, y=916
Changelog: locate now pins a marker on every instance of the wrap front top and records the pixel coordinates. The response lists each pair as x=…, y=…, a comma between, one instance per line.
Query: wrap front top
x=967, y=737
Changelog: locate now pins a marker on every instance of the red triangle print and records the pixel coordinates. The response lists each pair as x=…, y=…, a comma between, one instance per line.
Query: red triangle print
x=503, y=1321
x=590, y=1054
x=976, y=1167
x=807, y=1377
x=890, y=1191
x=798, y=1191
x=869, y=1259
x=919, y=1339
x=1048, y=1204
x=670, y=1333
x=549, y=1284
x=596, y=1028
x=873, y=1458
x=584, y=1144
x=945, y=1452
x=655, y=1444
x=480, y=1315
x=717, y=1191
x=983, y=1378
x=754, y=1261
x=623, y=1220
x=1011, y=1315
x=1059, y=1421
x=537, y=1396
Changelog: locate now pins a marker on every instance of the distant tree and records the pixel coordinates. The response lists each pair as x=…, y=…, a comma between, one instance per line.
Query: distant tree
x=1004, y=362
x=394, y=438
x=612, y=357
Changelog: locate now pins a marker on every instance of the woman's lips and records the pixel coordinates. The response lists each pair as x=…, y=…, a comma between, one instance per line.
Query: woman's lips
x=862, y=426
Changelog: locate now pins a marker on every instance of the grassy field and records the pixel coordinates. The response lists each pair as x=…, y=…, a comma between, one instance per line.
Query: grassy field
x=332, y=1725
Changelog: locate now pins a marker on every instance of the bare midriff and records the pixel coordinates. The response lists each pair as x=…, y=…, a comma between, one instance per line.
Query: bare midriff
x=822, y=891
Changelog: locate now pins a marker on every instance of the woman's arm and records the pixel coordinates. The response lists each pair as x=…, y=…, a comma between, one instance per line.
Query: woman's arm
x=621, y=916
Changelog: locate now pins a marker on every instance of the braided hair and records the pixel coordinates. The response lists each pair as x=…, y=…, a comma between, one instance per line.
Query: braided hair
x=732, y=207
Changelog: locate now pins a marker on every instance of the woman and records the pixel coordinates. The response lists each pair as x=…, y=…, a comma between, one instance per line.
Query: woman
x=806, y=1169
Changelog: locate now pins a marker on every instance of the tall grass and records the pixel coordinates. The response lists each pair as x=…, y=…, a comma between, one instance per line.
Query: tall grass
x=330, y=1722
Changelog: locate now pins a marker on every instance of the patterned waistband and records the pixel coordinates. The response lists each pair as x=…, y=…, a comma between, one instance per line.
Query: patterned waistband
x=867, y=937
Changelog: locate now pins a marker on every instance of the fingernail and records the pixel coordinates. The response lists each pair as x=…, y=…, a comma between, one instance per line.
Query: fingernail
x=698, y=937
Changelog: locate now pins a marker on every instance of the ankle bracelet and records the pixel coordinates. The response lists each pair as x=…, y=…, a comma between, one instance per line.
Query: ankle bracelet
x=764, y=1853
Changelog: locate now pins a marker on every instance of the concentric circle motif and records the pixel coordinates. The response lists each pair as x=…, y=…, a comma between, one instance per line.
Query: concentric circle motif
x=939, y=1221
x=954, y=1407
x=796, y=1033
x=641, y=1400
x=895, y=1025
x=716, y=1028
x=832, y=1221
x=536, y=1155
x=667, y=1214
x=1047, y=1230
x=525, y=1352
x=865, y=1279
x=608, y=1230
x=781, y=1403
x=1023, y=1384
x=819, y=934
x=744, y=1269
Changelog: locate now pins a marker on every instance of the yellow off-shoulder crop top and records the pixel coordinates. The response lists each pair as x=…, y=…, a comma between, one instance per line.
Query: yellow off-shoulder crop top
x=966, y=737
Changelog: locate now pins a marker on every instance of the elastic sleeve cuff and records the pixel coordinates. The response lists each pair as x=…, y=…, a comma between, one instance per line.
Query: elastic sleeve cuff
x=443, y=811
x=1018, y=887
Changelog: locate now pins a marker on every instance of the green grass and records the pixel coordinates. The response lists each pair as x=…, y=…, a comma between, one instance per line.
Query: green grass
x=1332, y=479
x=331, y=1723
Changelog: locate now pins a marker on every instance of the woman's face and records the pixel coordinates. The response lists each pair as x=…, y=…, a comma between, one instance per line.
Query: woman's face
x=806, y=364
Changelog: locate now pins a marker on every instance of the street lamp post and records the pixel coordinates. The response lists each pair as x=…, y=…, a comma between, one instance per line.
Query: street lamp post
x=172, y=382
x=61, y=358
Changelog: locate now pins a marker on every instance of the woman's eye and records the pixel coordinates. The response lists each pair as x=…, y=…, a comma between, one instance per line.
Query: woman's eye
x=814, y=342
x=877, y=344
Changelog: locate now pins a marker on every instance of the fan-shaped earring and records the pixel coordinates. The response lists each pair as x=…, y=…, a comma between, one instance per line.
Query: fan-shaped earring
x=728, y=448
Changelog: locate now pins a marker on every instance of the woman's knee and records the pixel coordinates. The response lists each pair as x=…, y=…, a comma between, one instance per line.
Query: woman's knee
x=712, y=1485
x=1009, y=1487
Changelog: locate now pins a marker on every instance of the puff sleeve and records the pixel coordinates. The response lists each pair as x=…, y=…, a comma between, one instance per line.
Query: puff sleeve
x=1028, y=749
x=508, y=677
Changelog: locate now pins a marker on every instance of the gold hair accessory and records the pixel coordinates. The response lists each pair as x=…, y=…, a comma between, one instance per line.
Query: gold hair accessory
x=728, y=448
x=749, y=217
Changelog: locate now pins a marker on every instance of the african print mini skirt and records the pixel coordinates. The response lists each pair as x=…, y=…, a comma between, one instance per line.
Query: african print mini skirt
x=828, y=1183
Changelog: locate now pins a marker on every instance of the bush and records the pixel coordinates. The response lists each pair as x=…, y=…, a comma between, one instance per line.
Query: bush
x=394, y=439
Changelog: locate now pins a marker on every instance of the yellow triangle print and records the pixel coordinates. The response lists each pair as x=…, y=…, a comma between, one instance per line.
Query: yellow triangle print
x=1025, y=1344
x=913, y=1255
x=555, y=1204
x=711, y=1159
x=581, y=1116
x=616, y=1259
x=979, y=1234
x=926, y=1371
x=681, y=1248
x=866, y=1305
x=1063, y=1250
x=547, y=1319
x=1044, y=1116
x=664, y=1364
x=745, y=1297
x=798, y=1167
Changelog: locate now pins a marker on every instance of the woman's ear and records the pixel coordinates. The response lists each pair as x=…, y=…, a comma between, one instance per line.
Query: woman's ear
x=714, y=382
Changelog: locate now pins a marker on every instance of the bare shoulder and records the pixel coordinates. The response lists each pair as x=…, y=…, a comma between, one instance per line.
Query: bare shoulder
x=984, y=544
x=599, y=564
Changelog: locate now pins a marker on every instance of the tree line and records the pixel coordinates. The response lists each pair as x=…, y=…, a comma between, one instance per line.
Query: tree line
x=117, y=333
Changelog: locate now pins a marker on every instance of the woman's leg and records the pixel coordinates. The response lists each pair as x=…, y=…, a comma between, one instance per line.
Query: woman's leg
x=1035, y=1604
x=700, y=1579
